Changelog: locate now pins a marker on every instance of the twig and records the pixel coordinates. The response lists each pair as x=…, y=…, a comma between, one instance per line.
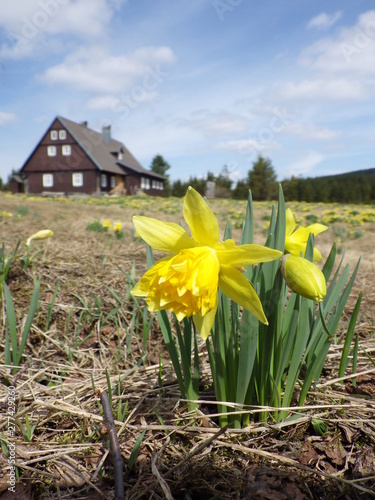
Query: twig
x=115, y=447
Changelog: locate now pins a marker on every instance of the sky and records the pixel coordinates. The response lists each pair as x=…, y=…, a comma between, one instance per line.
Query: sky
x=204, y=83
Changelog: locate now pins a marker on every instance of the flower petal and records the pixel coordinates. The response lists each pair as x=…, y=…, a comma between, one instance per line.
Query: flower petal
x=165, y=237
x=235, y=286
x=295, y=247
x=303, y=233
x=200, y=218
x=137, y=291
x=204, y=323
x=290, y=221
x=317, y=257
x=244, y=255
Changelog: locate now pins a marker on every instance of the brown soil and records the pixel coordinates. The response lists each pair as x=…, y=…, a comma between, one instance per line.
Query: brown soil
x=95, y=326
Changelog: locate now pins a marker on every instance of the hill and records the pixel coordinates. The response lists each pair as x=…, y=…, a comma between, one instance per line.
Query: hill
x=350, y=187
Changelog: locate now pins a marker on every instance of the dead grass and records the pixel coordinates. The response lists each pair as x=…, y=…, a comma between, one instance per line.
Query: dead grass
x=182, y=455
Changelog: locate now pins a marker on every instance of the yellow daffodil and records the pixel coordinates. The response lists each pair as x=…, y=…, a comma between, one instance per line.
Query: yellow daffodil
x=304, y=277
x=296, y=239
x=40, y=235
x=117, y=226
x=187, y=281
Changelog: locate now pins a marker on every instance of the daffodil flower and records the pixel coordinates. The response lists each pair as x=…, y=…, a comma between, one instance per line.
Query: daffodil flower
x=296, y=239
x=304, y=277
x=40, y=235
x=187, y=281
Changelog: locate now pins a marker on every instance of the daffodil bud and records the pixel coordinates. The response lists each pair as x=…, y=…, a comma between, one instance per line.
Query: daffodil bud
x=304, y=277
x=40, y=235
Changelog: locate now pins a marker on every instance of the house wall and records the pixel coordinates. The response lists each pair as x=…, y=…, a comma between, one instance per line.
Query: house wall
x=133, y=184
x=60, y=166
x=62, y=182
x=16, y=187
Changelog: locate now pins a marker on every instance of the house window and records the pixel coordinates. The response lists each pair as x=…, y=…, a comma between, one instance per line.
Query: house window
x=54, y=135
x=66, y=150
x=62, y=134
x=103, y=181
x=47, y=180
x=51, y=150
x=145, y=183
x=77, y=179
x=154, y=184
x=113, y=181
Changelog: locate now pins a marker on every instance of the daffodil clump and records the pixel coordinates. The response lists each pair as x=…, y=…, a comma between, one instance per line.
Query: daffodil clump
x=106, y=226
x=187, y=281
x=255, y=308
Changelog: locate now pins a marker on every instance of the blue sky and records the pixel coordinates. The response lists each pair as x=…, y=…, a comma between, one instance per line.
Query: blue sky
x=205, y=83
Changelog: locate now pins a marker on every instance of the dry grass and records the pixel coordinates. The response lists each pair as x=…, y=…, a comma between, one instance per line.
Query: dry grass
x=182, y=455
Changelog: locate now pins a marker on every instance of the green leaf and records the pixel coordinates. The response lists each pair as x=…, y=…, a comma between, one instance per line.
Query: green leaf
x=135, y=450
x=349, y=337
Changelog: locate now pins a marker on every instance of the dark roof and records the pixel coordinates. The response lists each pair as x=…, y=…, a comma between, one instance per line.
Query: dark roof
x=103, y=152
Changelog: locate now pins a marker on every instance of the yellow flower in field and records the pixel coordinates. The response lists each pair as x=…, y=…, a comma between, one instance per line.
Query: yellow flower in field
x=304, y=277
x=40, y=235
x=117, y=227
x=187, y=281
x=296, y=239
x=107, y=224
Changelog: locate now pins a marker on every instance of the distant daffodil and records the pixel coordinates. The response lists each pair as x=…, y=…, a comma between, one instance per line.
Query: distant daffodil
x=296, y=239
x=187, y=280
x=40, y=235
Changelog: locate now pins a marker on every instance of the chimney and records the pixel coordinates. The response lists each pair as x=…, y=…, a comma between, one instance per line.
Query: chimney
x=106, y=133
x=85, y=123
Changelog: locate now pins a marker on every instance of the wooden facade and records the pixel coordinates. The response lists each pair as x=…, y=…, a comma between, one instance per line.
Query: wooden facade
x=71, y=158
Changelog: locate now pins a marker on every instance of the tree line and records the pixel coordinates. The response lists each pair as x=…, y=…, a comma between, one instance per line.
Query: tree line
x=353, y=187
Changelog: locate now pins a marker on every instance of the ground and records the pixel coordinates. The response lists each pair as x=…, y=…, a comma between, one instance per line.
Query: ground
x=88, y=333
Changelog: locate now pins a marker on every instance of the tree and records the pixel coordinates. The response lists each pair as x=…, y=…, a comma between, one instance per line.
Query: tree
x=223, y=184
x=160, y=166
x=262, y=180
x=178, y=189
x=241, y=191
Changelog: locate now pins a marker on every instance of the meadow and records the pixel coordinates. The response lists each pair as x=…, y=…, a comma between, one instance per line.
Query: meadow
x=89, y=334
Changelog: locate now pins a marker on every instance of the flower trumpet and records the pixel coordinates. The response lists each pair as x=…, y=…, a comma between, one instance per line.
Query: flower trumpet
x=187, y=281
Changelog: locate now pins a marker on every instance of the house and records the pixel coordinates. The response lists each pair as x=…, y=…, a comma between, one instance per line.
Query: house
x=72, y=158
x=17, y=184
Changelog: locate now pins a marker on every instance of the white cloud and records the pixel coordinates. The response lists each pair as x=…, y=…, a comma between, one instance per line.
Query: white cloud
x=351, y=51
x=312, y=132
x=306, y=164
x=214, y=124
x=124, y=104
x=99, y=72
x=324, y=89
x=248, y=146
x=6, y=118
x=324, y=21
x=27, y=22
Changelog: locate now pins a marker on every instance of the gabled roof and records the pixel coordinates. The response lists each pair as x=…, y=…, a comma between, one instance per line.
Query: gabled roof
x=103, y=152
